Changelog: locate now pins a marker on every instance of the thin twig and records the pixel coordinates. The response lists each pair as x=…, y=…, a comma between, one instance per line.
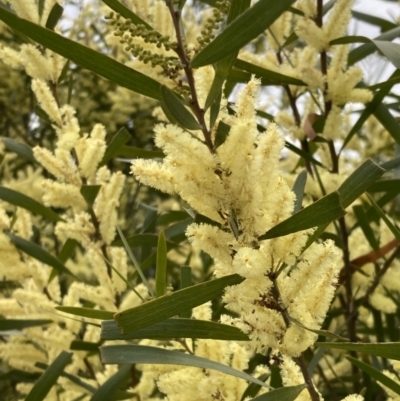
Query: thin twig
x=185, y=61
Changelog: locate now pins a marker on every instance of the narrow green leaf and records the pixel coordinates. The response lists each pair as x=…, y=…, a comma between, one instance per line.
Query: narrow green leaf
x=175, y=328
x=252, y=389
x=242, y=30
x=147, y=240
x=126, y=12
x=89, y=193
x=132, y=152
x=76, y=380
x=201, y=219
x=298, y=189
x=135, y=262
x=67, y=250
x=390, y=50
x=302, y=154
x=323, y=211
x=171, y=305
x=376, y=374
x=46, y=381
x=178, y=228
x=221, y=134
x=365, y=225
x=383, y=185
x=322, y=333
x=108, y=390
x=78, y=345
x=368, y=48
x=389, y=83
x=121, y=354
x=19, y=324
x=40, y=7
x=64, y=72
x=345, y=40
x=21, y=200
x=186, y=281
x=171, y=217
x=222, y=71
x=54, y=16
x=384, y=116
x=38, y=253
x=282, y=394
x=161, y=266
x=385, y=350
x=42, y=114
x=176, y=108
x=395, y=231
x=85, y=57
x=384, y=24
x=86, y=312
x=186, y=276
x=223, y=67
x=296, y=11
x=21, y=149
x=119, y=140
x=391, y=164
x=358, y=182
x=369, y=109
x=274, y=77
x=17, y=374
x=215, y=108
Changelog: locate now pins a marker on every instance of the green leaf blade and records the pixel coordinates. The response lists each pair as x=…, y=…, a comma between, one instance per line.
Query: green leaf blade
x=179, y=112
x=108, y=390
x=376, y=374
x=86, y=312
x=54, y=16
x=170, y=305
x=42, y=387
x=298, y=189
x=275, y=78
x=241, y=31
x=19, y=324
x=118, y=141
x=125, y=12
x=390, y=50
x=21, y=149
x=323, y=211
x=38, y=253
x=282, y=394
x=161, y=266
x=175, y=328
x=390, y=350
x=25, y=202
x=122, y=354
x=358, y=182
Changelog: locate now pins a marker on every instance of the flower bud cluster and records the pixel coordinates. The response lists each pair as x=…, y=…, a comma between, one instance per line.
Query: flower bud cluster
x=213, y=23
x=127, y=31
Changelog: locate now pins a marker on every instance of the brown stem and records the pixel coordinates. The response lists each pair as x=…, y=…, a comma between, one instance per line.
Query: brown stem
x=379, y=275
x=370, y=257
x=90, y=369
x=185, y=61
x=328, y=103
x=301, y=361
